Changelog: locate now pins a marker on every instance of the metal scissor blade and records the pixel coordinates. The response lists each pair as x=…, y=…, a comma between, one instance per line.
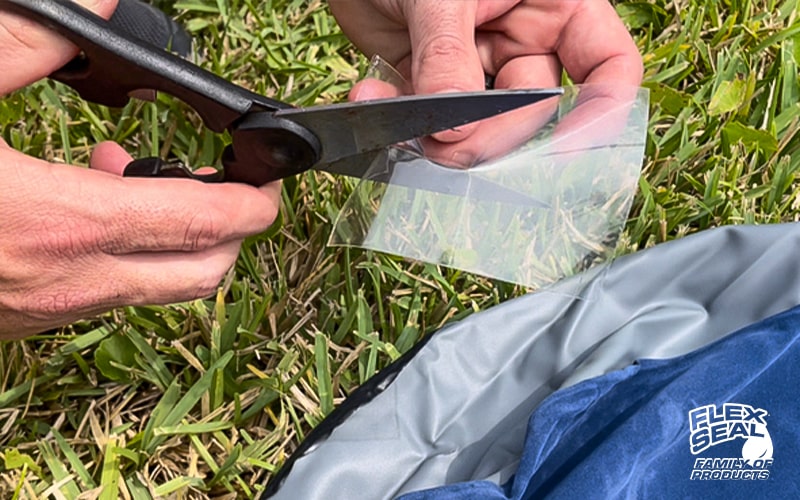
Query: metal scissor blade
x=351, y=129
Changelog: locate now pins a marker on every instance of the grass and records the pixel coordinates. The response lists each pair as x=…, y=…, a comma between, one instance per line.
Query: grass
x=207, y=399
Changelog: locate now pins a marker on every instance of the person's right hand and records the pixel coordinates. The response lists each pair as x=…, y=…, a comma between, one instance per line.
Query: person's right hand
x=77, y=242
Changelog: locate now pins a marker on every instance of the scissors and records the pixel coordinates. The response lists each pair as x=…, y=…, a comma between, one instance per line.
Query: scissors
x=270, y=139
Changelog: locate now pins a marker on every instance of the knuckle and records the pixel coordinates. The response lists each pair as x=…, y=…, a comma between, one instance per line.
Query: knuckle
x=202, y=232
x=66, y=239
x=443, y=46
x=56, y=304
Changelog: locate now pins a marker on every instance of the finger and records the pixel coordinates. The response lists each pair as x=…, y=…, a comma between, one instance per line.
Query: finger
x=600, y=119
x=184, y=215
x=168, y=277
x=372, y=88
x=127, y=215
x=387, y=35
x=614, y=58
x=138, y=280
x=109, y=157
x=273, y=192
x=444, y=56
x=29, y=51
x=529, y=72
x=497, y=136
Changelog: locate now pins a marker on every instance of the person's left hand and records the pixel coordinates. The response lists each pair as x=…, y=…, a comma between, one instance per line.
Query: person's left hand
x=449, y=45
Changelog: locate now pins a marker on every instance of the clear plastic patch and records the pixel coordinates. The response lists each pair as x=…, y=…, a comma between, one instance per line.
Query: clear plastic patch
x=547, y=197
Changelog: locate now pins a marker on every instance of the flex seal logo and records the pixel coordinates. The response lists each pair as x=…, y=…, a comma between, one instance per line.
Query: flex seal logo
x=711, y=426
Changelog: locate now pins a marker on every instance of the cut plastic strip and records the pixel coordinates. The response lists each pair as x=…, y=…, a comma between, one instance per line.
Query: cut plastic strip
x=548, y=198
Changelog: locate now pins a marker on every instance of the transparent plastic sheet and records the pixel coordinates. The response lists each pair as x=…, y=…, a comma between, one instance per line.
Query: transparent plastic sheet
x=547, y=200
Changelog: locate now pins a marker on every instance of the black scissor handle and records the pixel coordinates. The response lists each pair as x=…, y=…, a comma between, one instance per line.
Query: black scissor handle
x=145, y=23
x=264, y=149
x=115, y=63
x=151, y=25
x=156, y=167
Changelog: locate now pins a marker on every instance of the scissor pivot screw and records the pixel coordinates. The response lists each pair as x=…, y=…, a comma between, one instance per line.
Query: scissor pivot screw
x=267, y=148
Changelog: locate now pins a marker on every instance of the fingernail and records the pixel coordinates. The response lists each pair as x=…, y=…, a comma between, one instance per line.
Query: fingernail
x=451, y=91
x=103, y=8
x=456, y=134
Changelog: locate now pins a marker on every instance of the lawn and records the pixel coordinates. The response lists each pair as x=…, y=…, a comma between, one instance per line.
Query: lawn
x=207, y=399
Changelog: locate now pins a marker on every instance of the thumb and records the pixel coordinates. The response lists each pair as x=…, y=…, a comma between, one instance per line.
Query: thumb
x=444, y=55
x=109, y=157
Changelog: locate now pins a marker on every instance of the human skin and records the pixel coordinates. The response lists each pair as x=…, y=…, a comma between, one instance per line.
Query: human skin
x=76, y=242
x=450, y=45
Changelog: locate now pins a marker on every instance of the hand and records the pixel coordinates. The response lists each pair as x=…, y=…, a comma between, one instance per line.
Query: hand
x=76, y=242
x=448, y=45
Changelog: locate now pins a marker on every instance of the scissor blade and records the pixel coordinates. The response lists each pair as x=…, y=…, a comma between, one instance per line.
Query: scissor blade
x=355, y=128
